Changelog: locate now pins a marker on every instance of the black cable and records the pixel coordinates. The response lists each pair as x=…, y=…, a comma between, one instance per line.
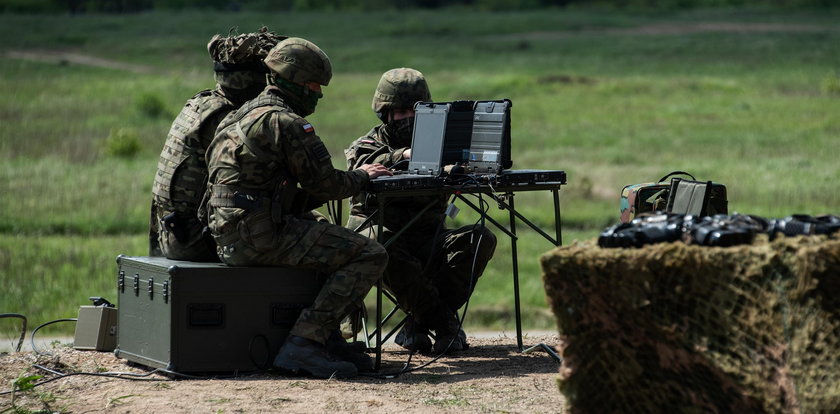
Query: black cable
x=118, y=375
x=397, y=164
x=405, y=369
x=32, y=337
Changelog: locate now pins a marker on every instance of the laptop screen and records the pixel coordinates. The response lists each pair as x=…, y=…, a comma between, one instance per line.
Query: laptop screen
x=427, y=139
x=473, y=134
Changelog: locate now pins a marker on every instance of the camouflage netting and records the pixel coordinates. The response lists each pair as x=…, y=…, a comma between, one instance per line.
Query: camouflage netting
x=243, y=48
x=239, y=59
x=678, y=328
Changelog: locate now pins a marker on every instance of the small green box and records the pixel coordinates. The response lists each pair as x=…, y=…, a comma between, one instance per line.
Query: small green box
x=96, y=328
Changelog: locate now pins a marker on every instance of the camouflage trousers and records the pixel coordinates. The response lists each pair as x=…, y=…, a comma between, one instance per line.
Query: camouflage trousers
x=433, y=280
x=180, y=237
x=352, y=263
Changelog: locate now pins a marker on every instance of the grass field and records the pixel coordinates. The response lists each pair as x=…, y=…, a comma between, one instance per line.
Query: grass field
x=749, y=98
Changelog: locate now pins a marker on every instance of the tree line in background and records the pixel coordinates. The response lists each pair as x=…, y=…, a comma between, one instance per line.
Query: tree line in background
x=129, y=6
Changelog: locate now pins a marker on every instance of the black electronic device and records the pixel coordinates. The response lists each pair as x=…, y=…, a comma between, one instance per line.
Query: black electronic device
x=473, y=135
x=522, y=177
x=404, y=182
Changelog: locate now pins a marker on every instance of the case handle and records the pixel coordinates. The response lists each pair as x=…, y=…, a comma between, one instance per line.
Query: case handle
x=676, y=173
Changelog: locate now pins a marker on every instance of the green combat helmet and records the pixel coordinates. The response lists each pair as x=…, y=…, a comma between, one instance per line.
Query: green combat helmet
x=238, y=60
x=400, y=89
x=299, y=61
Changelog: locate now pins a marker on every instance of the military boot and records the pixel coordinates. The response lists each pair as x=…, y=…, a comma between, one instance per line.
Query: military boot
x=449, y=336
x=414, y=337
x=353, y=352
x=301, y=354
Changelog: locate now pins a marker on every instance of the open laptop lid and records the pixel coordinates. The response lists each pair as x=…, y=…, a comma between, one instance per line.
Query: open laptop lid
x=427, y=138
x=489, y=151
x=473, y=134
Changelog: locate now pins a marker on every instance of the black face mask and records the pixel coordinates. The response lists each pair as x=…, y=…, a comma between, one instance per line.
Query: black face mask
x=399, y=131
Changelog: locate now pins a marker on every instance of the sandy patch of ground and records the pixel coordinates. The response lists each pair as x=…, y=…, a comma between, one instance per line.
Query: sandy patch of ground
x=491, y=376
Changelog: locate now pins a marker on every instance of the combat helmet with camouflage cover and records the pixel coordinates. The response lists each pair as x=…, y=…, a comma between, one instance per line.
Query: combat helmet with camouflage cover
x=238, y=59
x=299, y=61
x=399, y=89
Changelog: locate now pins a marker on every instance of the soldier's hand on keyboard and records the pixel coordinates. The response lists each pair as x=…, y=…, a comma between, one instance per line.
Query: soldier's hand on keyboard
x=375, y=170
x=407, y=154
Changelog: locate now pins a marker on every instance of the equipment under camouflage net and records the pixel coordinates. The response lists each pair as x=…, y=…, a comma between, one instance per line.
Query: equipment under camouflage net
x=679, y=328
x=243, y=48
x=239, y=58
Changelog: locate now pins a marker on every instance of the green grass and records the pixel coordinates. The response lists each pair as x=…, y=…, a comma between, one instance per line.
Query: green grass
x=48, y=277
x=593, y=95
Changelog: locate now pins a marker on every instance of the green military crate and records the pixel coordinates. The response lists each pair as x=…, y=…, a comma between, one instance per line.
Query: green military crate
x=207, y=317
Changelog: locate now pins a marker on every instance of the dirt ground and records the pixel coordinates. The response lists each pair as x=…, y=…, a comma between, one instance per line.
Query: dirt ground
x=491, y=376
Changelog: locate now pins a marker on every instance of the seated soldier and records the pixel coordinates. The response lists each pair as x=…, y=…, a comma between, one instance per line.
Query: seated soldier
x=268, y=170
x=431, y=271
x=176, y=230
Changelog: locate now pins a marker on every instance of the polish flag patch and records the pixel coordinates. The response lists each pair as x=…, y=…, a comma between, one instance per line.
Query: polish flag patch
x=308, y=128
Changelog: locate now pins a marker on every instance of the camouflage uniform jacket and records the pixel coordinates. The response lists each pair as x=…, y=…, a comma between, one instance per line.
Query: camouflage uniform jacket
x=378, y=147
x=265, y=152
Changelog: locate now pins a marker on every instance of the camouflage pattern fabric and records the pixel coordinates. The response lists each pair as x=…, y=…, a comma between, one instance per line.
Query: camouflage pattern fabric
x=176, y=229
x=258, y=152
x=429, y=268
x=652, y=198
x=181, y=179
x=299, y=61
x=431, y=276
x=242, y=58
x=400, y=88
x=679, y=328
x=243, y=48
x=379, y=146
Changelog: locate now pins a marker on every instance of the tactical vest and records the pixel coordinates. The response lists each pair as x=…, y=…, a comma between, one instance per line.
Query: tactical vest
x=281, y=197
x=181, y=177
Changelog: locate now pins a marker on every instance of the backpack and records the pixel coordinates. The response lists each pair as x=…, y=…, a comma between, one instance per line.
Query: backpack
x=677, y=195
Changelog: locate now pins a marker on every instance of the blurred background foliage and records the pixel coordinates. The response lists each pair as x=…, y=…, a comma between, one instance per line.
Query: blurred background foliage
x=129, y=6
x=612, y=92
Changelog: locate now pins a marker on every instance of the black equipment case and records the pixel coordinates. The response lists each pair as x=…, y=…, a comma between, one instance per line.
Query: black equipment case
x=207, y=317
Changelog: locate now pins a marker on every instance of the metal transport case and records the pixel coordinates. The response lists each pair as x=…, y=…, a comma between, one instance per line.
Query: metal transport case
x=207, y=317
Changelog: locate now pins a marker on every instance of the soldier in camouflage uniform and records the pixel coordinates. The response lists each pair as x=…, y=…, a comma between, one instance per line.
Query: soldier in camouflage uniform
x=430, y=267
x=268, y=169
x=176, y=231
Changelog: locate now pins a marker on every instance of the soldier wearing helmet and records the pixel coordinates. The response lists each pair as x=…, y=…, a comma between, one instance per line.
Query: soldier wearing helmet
x=176, y=230
x=430, y=271
x=268, y=170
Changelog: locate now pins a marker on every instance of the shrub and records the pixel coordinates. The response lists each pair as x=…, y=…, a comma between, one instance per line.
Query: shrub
x=152, y=106
x=122, y=143
x=831, y=84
